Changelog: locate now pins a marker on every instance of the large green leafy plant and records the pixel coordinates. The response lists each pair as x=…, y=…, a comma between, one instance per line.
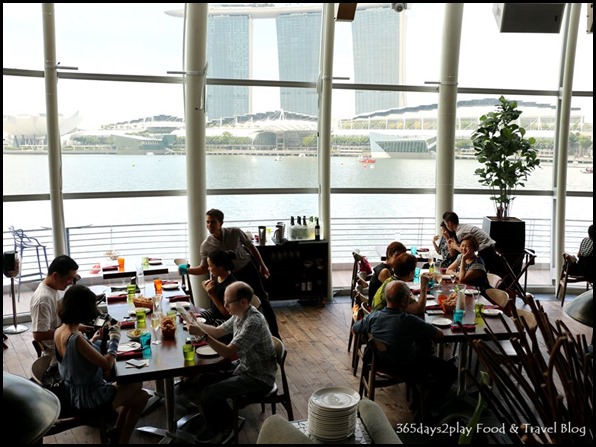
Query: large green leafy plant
x=506, y=155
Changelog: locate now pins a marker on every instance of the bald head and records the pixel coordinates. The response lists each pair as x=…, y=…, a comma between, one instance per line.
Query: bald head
x=397, y=294
x=238, y=290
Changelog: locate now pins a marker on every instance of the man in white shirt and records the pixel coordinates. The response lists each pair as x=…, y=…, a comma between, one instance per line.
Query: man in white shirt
x=44, y=303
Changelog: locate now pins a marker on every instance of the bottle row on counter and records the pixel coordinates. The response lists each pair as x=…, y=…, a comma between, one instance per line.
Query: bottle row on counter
x=302, y=228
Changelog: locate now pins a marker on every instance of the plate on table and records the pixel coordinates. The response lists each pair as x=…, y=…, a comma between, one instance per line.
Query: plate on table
x=206, y=351
x=130, y=346
x=135, y=334
x=170, y=286
x=492, y=312
x=442, y=322
x=471, y=291
x=134, y=311
x=154, y=261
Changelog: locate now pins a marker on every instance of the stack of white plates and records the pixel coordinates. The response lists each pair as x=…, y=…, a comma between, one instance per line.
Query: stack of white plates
x=332, y=413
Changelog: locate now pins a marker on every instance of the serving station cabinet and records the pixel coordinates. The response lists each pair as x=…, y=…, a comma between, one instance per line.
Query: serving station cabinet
x=299, y=270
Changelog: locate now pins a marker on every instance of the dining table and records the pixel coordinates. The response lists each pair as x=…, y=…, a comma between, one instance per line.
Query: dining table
x=423, y=255
x=473, y=327
x=165, y=362
x=110, y=269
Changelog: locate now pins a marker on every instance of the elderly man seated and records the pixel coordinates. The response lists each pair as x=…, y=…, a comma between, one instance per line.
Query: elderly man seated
x=404, y=333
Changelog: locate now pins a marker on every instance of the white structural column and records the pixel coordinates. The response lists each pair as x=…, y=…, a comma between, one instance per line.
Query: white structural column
x=445, y=162
x=568, y=61
x=194, y=109
x=325, y=87
x=54, y=148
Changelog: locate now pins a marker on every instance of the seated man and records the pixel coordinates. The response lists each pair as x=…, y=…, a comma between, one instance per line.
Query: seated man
x=404, y=334
x=252, y=343
x=62, y=272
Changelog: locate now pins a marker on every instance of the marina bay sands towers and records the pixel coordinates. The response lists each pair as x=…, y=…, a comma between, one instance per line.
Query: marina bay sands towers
x=377, y=57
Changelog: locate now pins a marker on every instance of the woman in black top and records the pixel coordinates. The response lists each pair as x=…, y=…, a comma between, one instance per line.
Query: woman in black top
x=385, y=269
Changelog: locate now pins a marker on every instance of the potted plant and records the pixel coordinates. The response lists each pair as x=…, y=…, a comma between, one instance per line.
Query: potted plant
x=506, y=155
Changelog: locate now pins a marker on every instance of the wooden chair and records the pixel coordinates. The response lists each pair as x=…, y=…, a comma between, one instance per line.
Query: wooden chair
x=494, y=280
x=69, y=417
x=273, y=397
x=358, y=341
x=566, y=277
x=39, y=347
x=375, y=375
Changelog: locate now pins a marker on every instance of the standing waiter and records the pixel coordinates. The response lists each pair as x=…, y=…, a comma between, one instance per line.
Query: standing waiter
x=248, y=265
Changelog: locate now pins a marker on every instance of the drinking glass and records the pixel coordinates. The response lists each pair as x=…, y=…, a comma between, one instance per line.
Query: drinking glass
x=155, y=323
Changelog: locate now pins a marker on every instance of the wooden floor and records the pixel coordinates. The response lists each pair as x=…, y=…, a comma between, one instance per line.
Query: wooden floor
x=316, y=339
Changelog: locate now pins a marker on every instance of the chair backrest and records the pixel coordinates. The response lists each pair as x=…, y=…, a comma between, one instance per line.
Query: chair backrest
x=21, y=239
x=494, y=280
x=528, y=317
x=277, y=430
x=498, y=297
x=376, y=423
x=281, y=353
x=186, y=285
x=374, y=375
x=39, y=347
x=39, y=367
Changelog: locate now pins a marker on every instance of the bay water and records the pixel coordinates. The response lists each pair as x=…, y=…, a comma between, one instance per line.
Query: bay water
x=28, y=174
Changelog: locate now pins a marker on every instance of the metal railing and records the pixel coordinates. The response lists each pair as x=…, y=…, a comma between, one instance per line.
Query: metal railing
x=88, y=245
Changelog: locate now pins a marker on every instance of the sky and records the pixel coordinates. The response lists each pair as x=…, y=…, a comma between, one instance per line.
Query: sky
x=141, y=39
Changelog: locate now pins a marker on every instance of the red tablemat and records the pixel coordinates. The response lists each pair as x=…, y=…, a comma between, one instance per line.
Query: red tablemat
x=127, y=324
x=423, y=250
x=169, y=281
x=109, y=267
x=176, y=298
x=415, y=291
x=434, y=307
x=116, y=298
x=129, y=355
x=196, y=344
x=492, y=306
x=463, y=328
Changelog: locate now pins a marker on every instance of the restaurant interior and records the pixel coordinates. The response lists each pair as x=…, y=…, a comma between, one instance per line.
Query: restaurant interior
x=523, y=352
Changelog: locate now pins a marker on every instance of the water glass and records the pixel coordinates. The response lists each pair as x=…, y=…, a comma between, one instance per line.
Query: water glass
x=414, y=250
x=141, y=318
x=417, y=275
x=458, y=316
x=189, y=352
x=145, y=340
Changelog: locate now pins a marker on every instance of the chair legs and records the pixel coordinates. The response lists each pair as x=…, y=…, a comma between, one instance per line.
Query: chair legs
x=39, y=271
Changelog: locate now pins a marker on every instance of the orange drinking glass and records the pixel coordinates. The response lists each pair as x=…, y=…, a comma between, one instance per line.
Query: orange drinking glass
x=120, y=263
x=157, y=283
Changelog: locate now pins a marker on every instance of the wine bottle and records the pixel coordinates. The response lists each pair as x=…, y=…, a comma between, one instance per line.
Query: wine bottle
x=317, y=230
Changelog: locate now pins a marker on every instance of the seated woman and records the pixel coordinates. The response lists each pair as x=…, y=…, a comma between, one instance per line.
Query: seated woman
x=83, y=366
x=468, y=267
x=220, y=264
x=441, y=244
x=404, y=269
x=583, y=265
x=384, y=270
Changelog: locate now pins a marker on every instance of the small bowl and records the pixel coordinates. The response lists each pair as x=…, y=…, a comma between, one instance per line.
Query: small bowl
x=135, y=334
